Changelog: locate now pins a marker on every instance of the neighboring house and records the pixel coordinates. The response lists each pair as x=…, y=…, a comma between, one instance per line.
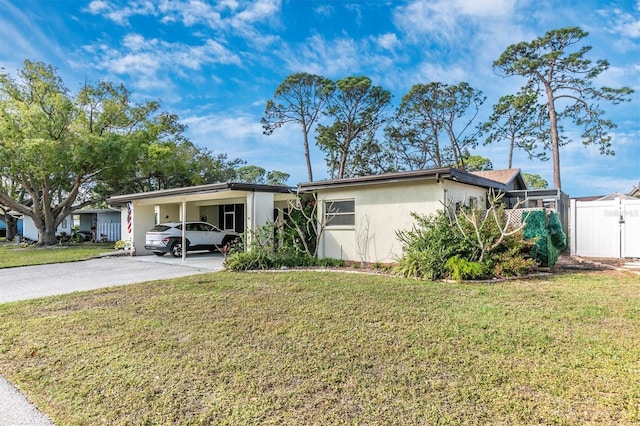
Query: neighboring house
x=104, y=223
x=3, y=225
x=362, y=215
x=230, y=206
x=635, y=192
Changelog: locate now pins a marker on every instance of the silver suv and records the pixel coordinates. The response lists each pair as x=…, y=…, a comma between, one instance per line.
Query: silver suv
x=167, y=238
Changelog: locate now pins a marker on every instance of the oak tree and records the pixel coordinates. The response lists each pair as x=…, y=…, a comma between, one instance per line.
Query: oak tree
x=61, y=152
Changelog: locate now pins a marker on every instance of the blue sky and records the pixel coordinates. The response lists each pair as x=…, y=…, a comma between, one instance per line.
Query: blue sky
x=215, y=64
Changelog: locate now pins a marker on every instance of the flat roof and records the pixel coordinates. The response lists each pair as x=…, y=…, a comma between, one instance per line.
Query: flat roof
x=447, y=173
x=200, y=189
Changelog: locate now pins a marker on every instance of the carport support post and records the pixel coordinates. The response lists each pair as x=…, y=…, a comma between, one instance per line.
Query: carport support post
x=183, y=215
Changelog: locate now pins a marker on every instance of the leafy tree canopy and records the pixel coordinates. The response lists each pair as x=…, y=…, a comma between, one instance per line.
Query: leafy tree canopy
x=534, y=181
x=60, y=152
x=357, y=109
x=300, y=99
x=564, y=78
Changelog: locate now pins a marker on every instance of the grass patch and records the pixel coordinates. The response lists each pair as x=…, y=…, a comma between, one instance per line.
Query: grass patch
x=17, y=255
x=329, y=348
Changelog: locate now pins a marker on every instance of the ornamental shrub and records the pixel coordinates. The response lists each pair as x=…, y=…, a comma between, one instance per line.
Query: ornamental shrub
x=471, y=244
x=462, y=269
x=428, y=246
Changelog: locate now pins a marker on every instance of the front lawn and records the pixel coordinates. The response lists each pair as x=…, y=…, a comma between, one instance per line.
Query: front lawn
x=12, y=255
x=332, y=348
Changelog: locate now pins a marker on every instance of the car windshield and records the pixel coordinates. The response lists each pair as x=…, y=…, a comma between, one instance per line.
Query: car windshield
x=160, y=228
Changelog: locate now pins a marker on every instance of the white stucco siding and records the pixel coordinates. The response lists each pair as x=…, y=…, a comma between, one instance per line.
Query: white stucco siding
x=462, y=193
x=143, y=219
x=379, y=211
x=383, y=209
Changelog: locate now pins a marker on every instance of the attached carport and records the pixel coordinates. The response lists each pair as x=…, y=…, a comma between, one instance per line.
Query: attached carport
x=232, y=206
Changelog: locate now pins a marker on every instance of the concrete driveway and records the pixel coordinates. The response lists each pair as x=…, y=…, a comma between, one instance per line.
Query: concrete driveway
x=31, y=282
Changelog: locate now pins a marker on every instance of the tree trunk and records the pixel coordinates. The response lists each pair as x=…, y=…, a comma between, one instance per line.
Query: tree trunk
x=511, y=146
x=306, y=155
x=555, y=140
x=47, y=237
x=12, y=227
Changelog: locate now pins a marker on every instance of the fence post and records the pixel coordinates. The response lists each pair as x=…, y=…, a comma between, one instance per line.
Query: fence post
x=572, y=228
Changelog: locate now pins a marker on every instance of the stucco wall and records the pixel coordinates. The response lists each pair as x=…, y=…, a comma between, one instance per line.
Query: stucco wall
x=381, y=210
x=143, y=220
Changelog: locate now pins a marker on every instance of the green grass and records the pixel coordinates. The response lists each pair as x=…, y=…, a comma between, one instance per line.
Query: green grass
x=19, y=255
x=331, y=348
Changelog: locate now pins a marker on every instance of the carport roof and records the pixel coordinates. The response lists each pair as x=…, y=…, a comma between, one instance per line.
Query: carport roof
x=200, y=189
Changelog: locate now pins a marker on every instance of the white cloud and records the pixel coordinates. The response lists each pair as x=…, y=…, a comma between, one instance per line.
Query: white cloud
x=484, y=8
x=319, y=56
x=471, y=25
x=625, y=24
x=387, y=41
x=23, y=38
x=97, y=6
x=150, y=63
x=194, y=12
x=324, y=10
x=121, y=15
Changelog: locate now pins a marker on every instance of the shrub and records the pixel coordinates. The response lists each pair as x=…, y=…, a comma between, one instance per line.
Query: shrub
x=330, y=262
x=508, y=264
x=268, y=250
x=470, y=244
x=428, y=246
x=462, y=269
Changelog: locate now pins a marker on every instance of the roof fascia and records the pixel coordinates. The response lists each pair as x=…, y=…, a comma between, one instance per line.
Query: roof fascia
x=200, y=189
x=401, y=177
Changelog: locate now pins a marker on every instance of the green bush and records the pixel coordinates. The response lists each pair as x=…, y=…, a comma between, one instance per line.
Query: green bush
x=508, y=264
x=471, y=244
x=462, y=269
x=260, y=260
x=330, y=262
x=268, y=250
x=428, y=246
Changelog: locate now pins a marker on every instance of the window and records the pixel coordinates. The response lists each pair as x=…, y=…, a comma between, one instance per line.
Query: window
x=340, y=213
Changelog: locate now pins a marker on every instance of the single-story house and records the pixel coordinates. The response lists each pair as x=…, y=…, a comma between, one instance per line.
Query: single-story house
x=231, y=206
x=103, y=223
x=361, y=214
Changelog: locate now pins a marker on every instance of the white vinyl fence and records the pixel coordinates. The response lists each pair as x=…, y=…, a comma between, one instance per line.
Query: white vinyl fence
x=605, y=228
